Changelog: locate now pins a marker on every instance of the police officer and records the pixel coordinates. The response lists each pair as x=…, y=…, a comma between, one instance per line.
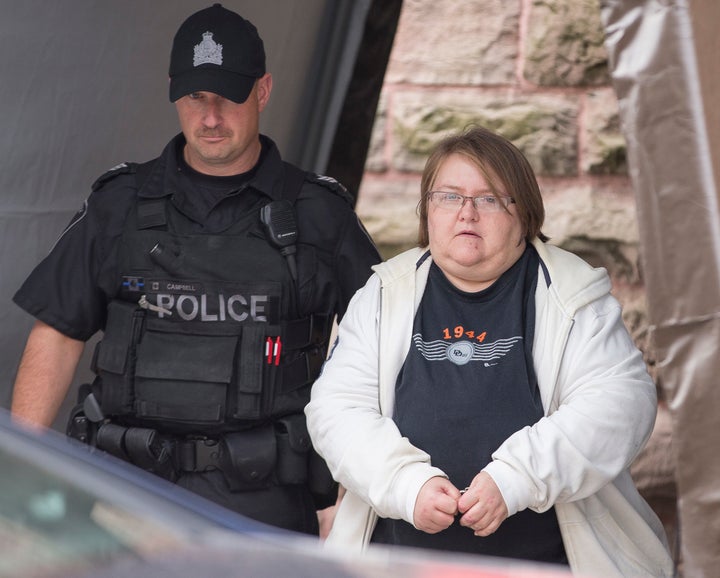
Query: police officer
x=215, y=272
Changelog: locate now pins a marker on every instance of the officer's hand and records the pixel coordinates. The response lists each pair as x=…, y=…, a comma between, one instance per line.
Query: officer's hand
x=482, y=506
x=326, y=517
x=436, y=505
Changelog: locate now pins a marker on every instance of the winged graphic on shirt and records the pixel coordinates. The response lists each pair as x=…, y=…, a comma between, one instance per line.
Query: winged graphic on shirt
x=462, y=352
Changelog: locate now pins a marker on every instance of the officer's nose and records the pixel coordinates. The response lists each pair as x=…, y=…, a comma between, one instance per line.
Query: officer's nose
x=212, y=114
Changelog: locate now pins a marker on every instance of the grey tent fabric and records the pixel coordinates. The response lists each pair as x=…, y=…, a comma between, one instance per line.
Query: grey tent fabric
x=85, y=87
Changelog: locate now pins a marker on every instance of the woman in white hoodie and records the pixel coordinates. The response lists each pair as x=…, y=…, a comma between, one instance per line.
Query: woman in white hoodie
x=483, y=395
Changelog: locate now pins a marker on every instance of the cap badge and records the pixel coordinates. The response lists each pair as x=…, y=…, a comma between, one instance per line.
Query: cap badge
x=208, y=51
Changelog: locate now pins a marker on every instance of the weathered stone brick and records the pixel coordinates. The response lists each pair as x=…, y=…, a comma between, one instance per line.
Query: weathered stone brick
x=387, y=208
x=375, y=161
x=456, y=42
x=605, y=150
x=564, y=44
x=594, y=210
x=543, y=128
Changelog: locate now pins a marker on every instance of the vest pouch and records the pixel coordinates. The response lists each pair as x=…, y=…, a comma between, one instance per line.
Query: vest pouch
x=114, y=357
x=248, y=458
x=250, y=370
x=293, y=445
x=110, y=438
x=182, y=378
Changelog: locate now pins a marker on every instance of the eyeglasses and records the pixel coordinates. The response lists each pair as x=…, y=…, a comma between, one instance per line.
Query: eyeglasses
x=455, y=202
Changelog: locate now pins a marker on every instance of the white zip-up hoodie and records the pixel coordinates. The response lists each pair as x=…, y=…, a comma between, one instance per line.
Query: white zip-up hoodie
x=600, y=406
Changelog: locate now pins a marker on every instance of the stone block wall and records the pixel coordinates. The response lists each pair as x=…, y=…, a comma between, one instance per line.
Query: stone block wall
x=536, y=72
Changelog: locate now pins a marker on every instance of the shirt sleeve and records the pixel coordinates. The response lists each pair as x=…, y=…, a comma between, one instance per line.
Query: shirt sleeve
x=335, y=252
x=356, y=254
x=70, y=288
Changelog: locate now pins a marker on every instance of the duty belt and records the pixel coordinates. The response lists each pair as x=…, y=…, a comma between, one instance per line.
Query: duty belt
x=197, y=455
x=271, y=454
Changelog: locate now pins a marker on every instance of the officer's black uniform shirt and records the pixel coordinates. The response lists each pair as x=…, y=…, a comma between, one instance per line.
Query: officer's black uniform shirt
x=203, y=207
x=71, y=288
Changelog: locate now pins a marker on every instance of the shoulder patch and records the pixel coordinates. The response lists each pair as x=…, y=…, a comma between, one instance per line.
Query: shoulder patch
x=79, y=216
x=121, y=169
x=331, y=184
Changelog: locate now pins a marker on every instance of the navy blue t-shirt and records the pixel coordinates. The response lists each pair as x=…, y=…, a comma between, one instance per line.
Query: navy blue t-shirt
x=468, y=384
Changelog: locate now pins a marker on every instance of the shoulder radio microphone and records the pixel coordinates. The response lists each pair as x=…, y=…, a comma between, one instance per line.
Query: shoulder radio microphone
x=278, y=218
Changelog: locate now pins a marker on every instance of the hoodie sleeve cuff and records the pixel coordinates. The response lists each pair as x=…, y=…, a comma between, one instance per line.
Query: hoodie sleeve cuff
x=516, y=497
x=408, y=487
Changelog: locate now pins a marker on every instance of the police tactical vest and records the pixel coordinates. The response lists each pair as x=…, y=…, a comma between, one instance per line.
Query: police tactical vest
x=199, y=339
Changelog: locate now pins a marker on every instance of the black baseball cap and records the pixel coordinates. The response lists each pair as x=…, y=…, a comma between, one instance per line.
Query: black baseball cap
x=216, y=50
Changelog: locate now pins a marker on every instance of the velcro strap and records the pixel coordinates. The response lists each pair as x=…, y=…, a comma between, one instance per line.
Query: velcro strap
x=151, y=213
x=112, y=352
x=301, y=333
x=251, y=359
x=302, y=370
x=203, y=413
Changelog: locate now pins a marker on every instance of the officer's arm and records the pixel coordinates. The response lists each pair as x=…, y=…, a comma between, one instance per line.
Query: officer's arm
x=44, y=376
x=355, y=256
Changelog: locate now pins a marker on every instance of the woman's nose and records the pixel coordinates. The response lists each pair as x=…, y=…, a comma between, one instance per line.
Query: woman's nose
x=468, y=211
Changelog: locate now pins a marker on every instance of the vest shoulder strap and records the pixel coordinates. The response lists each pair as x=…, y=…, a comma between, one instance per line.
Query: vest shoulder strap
x=152, y=212
x=142, y=172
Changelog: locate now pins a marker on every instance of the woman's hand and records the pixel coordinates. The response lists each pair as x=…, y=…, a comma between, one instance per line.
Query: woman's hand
x=436, y=505
x=482, y=506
